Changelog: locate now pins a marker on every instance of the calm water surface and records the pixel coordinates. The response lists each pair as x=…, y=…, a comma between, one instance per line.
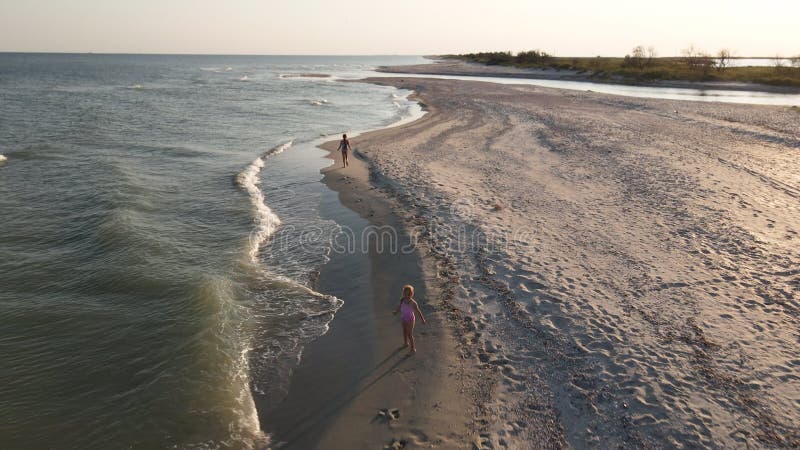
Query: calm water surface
x=160, y=236
x=698, y=95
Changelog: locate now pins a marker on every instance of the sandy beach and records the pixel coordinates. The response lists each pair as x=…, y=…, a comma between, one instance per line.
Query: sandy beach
x=599, y=271
x=462, y=68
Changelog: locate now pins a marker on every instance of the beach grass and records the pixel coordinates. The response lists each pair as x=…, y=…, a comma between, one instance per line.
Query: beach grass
x=643, y=69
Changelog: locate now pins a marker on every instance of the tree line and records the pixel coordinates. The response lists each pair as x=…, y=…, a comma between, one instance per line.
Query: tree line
x=642, y=64
x=640, y=57
x=696, y=59
x=507, y=58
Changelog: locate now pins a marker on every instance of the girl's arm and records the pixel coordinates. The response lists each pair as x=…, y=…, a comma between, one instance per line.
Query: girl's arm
x=397, y=310
x=416, y=308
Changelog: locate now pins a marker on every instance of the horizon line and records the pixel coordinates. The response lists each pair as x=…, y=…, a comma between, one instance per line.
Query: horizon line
x=202, y=54
x=429, y=55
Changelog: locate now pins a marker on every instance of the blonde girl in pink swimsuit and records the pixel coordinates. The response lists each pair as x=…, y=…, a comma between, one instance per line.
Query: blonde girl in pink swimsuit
x=407, y=308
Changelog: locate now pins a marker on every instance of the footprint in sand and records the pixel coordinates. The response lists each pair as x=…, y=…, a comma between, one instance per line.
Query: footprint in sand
x=388, y=414
x=395, y=444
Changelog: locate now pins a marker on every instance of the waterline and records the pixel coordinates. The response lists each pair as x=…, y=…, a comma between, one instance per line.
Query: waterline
x=668, y=93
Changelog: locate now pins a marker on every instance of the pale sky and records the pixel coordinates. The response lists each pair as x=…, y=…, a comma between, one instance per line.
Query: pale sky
x=561, y=27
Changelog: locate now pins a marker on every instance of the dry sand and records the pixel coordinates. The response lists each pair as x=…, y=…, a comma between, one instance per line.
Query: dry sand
x=609, y=271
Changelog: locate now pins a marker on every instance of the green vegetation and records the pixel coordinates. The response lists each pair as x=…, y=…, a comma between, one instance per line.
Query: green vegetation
x=532, y=58
x=642, y=65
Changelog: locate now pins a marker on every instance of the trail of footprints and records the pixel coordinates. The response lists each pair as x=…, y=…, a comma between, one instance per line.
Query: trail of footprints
x=574, y=348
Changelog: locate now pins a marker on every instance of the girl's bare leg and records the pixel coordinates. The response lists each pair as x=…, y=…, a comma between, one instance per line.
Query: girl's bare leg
x=411, y=337
x=405, y=335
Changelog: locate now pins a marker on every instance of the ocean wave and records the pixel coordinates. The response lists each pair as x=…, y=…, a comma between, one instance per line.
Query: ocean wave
x=3, y=159
x=39, y=152
x=242, y=78
x=304, y=75
x=216, y=69
x=301, y=313
x=266, y=221
x=244, y=425
x=318, y=102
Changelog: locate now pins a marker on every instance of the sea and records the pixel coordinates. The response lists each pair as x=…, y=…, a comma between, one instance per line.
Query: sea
x=160, y=239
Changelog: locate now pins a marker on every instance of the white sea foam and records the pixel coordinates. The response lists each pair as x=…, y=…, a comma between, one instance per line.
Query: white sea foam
x=266, y=221
x=244, y=426
x=242, y=78
x=318, y=102
x=216, y=69
x=249, y=419
x=3, y=159
x=267, y=372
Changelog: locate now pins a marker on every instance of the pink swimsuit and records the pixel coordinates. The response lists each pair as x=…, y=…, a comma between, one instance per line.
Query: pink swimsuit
x=406, y=312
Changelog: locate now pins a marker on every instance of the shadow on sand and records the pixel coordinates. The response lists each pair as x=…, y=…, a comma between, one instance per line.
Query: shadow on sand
x=315, y=418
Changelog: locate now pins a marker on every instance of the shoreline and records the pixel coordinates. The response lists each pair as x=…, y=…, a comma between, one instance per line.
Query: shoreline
x=465, y=69
x=579, y=330
x=362, y=352
x=433, y=407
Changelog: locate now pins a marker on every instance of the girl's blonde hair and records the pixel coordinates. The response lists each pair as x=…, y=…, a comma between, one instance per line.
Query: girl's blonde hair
x=410, y=289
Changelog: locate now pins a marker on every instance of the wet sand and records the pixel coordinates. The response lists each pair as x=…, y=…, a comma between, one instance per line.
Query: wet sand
x=358, y=370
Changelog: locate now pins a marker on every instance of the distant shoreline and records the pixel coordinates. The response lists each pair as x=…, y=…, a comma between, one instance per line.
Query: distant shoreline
x=461, y=68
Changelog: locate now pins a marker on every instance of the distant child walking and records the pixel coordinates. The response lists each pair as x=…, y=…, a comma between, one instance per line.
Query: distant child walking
x=344, y=146
x=408, y=308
